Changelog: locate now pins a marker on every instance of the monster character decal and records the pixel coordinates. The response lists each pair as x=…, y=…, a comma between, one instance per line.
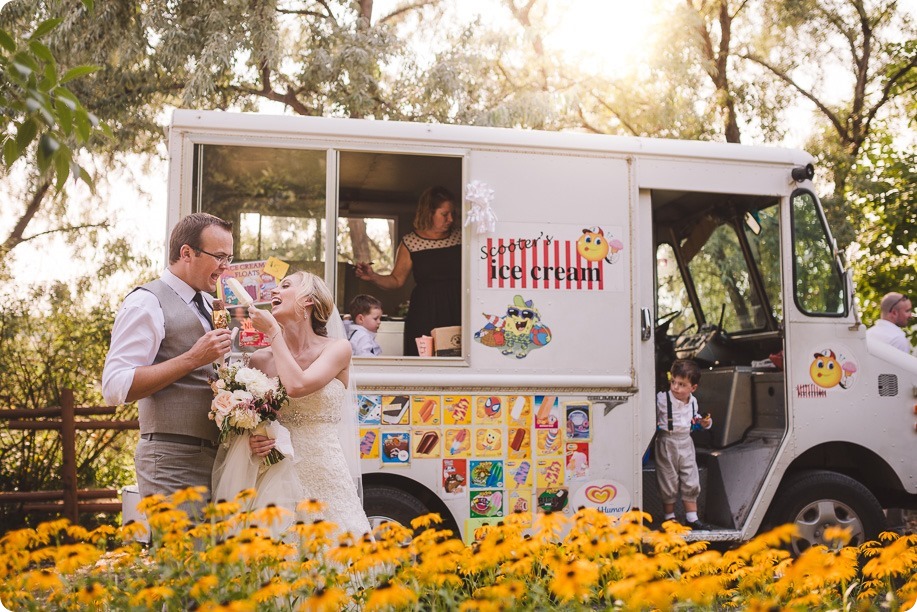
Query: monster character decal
x=517, y=333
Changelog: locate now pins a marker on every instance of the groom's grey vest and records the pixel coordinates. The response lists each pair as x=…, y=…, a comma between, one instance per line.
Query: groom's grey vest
x=183, y=406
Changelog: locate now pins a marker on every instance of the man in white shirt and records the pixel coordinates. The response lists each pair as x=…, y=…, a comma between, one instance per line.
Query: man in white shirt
x=162, y=347
x=896, y=313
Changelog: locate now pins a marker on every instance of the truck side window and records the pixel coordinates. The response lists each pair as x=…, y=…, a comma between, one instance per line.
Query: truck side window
x=818, y=283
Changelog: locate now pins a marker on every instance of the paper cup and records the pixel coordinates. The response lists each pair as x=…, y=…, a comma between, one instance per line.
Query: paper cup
x=424, y=346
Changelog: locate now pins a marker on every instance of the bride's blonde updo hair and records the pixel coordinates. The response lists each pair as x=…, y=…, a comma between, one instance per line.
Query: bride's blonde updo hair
x=313, y=286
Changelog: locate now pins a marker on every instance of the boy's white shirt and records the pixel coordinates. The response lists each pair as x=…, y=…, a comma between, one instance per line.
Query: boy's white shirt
x=682, y=412
x=362, y=341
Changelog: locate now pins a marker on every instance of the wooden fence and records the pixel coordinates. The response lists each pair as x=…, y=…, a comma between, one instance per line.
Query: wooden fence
x=69, y=501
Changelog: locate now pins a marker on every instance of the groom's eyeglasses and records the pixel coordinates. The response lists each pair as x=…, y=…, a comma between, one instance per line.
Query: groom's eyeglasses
x=221, y=259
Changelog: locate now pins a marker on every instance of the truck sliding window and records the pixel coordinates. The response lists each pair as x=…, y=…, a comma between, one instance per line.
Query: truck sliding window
x=817, y=277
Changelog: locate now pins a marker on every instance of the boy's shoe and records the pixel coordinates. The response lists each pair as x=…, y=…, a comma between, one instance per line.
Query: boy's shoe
x=699, y=525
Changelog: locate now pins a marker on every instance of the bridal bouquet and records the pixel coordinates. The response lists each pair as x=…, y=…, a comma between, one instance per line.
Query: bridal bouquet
x=246, y=400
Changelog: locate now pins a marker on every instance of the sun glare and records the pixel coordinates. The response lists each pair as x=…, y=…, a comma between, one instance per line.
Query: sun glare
x=605, y=36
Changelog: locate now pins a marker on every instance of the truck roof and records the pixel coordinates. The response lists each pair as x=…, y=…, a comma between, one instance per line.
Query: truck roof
x=463, y=135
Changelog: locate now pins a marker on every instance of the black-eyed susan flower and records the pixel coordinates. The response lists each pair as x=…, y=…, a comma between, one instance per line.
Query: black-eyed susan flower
x=389, y=594
x=427, y=520
x=92, y=593
x=151, y=595
x=574, y=580
x=44, y=580
x=325, y=600
x=310, y=506
x=270, y=590
x=189, y=495
x=271, y=514
x=203, y=586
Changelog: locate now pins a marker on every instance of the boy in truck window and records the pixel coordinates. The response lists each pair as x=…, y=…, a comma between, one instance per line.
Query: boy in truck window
x=365, y=319
x=676, y=463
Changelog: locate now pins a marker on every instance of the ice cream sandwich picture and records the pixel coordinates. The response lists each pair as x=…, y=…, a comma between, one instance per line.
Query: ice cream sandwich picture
x=396, y=447
x=578, y=425
x=426, y=444
x=425, y=410
x=395, y=409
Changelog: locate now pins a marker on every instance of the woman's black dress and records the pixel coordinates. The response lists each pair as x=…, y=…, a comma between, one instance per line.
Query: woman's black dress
x=436, y=300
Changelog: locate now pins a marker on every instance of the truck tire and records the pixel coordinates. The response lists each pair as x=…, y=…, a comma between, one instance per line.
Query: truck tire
x=813, y=500
x=385, y=503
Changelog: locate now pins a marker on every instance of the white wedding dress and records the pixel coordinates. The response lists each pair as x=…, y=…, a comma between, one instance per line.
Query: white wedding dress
x=320, y=463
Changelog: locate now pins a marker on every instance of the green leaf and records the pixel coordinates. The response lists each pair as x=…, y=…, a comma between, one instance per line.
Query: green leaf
x=6, y=41
x=41, y=51
x=81, y=122
x=64, y=116
x=26, y=134
x=44, y=27
x=62, y=167
x=44, y=153
x=64, y=95
x=78, y=71
x=11, y=152
x=89, y=4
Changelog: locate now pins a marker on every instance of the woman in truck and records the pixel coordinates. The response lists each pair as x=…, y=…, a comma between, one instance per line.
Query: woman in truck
x=433, y=252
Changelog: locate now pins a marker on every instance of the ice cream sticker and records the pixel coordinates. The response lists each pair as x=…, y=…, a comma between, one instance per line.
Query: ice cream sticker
x=425, y=410
x=455, y=478
x=830, y=369
x=426, y=443
x=517, y=332
x=396, y=447
x=607, y=496
x=457, y=409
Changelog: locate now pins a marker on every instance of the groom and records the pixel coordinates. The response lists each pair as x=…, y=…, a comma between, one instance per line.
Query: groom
x=162, y=347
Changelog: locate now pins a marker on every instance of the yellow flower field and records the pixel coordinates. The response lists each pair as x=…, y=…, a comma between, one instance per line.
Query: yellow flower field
x=548, y=561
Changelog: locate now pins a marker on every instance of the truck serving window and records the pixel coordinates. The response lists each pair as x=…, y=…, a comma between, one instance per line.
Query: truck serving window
x=817, y=278
x=278, y=201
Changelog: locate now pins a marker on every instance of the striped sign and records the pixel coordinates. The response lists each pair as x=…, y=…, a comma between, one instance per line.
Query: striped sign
x=556, y=264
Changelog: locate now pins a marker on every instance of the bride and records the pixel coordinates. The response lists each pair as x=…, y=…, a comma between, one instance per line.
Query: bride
x=311, y=356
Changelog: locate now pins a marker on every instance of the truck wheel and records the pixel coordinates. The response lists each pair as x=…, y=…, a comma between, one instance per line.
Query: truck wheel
x=813, y=500
x=384, y=503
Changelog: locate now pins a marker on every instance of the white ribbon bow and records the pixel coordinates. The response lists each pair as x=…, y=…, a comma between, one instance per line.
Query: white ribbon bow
x=480, y=195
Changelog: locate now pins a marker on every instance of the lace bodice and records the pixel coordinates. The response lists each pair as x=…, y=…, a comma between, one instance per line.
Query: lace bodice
x=322, y=406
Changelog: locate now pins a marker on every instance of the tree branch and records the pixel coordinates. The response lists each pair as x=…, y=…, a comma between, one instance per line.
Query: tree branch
x=31, y=210
x=399, y=13
x=832, y=117
x=66, y=230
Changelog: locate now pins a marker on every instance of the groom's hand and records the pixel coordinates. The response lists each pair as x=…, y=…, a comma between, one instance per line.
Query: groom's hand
x=211, y=347
x=260, y=445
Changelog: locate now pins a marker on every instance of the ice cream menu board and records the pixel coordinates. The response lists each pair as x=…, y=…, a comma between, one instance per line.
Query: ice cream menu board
x=253, y=278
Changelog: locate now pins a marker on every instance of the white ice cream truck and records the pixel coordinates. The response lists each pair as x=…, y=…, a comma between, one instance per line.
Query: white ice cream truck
x=606, y=259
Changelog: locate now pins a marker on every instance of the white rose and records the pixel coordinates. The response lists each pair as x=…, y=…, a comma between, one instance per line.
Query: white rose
x=244, y=419
x=240, y=396
x=246, y=376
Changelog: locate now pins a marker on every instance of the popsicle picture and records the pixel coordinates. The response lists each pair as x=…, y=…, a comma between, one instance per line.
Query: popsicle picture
x=244, y=298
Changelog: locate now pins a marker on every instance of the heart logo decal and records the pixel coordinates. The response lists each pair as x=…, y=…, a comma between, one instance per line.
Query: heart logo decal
x=601, y=495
